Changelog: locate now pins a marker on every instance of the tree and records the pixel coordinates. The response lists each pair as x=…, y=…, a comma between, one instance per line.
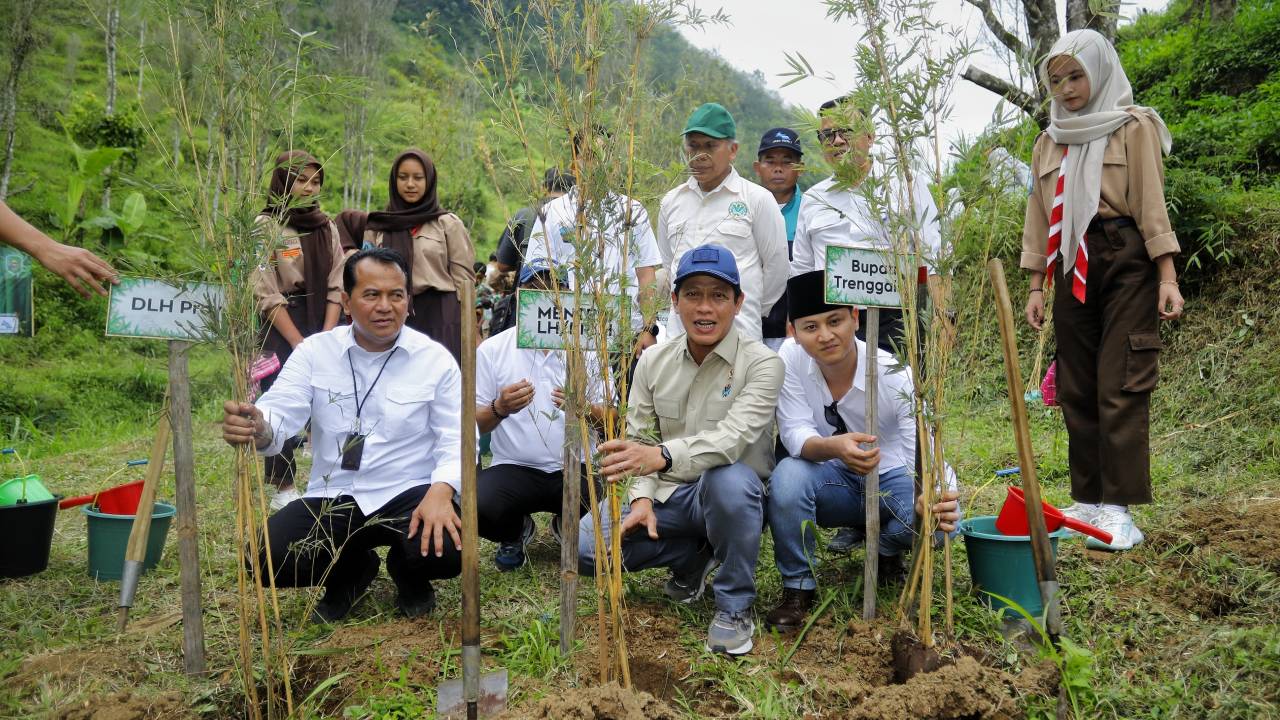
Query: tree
x=365, y=24
x=1027, y=43
x=23, y=41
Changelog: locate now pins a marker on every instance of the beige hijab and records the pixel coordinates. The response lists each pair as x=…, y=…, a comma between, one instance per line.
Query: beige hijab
x=1086, y=130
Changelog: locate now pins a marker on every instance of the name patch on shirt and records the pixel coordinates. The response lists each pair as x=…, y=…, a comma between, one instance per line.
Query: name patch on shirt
x=291, y=253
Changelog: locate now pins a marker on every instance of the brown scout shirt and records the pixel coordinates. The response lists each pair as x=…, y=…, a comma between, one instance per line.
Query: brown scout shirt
x=285, y=273
x=442, y=254
x=1132, y=186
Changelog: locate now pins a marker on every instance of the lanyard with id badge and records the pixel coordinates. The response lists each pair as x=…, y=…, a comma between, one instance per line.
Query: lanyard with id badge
x=353, y=447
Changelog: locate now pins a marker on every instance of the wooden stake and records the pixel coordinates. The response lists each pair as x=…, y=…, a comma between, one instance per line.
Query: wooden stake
x=570, y=500
x=136, y=552
x=871, y=568
x=185, y=499
x=470, y=533
x=1041, y=550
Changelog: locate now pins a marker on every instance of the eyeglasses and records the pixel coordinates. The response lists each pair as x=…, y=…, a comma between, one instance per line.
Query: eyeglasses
x=832, y=416
x=828, y=135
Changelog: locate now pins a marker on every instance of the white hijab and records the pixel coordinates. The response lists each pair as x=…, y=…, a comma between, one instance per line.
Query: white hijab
x=1086, y=130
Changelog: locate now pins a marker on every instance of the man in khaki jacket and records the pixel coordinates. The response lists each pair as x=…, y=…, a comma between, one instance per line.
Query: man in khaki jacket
x=698, y=451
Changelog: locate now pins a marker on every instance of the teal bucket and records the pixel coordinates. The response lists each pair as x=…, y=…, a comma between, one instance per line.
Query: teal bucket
x=109, y=540
x=1002, y=564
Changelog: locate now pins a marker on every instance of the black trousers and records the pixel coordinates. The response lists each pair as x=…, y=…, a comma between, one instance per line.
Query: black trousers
x=505, y=494
x=1108, y=358
x=328, y=541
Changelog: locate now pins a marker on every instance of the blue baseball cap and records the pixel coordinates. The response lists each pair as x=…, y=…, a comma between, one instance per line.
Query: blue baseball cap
x=780, y=137
x=709, y=259
x=535, y=266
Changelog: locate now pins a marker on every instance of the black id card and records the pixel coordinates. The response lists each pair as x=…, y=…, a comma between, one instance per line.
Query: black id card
x=352, y=451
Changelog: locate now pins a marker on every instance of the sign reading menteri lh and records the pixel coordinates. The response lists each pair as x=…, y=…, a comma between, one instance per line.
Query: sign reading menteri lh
x=151, y=308
x=543, y=324
x=865, y=277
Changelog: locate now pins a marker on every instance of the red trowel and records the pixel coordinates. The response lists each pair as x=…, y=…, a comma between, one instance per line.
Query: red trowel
x=1013, y=518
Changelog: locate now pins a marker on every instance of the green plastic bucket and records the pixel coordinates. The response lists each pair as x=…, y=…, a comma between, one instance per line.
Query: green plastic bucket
x=1002, y=564
x=109, y=539
x=11, y=491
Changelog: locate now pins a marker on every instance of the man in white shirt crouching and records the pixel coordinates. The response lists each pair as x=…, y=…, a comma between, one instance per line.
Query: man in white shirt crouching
x=520, y=398
x=822, y=412
x=384, y=403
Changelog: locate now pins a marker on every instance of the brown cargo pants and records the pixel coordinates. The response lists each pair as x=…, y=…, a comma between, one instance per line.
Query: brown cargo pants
x=1108, y=356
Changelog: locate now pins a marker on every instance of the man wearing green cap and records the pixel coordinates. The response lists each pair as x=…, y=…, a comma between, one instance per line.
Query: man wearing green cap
x=716, y=205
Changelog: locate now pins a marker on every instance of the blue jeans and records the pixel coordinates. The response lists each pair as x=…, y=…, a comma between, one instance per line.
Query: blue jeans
x=831, y=495
x=724, y=507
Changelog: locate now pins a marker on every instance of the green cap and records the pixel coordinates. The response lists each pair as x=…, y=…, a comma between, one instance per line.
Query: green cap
x=712, y=120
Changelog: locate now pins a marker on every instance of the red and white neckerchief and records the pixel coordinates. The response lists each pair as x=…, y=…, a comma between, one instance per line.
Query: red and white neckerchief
x=1081, y=270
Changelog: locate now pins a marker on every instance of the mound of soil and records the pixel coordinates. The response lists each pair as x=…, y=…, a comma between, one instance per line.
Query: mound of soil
x=368, y=654
x=128, y=706
x=1245, y=528
x=963, y=690
x=601, y=702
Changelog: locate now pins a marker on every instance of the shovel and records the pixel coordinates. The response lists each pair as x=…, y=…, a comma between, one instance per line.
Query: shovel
x=473, y=696
x=1013, y=518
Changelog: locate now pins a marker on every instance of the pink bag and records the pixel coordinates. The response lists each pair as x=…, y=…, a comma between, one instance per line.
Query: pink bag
x=1049, y=387
x=263, y=367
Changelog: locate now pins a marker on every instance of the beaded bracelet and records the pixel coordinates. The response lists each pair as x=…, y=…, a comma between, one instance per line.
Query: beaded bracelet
x=493, y=405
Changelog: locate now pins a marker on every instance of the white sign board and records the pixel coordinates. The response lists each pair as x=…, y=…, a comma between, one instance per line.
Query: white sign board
x=866, y=277
x=544, y=324
x=151, y=308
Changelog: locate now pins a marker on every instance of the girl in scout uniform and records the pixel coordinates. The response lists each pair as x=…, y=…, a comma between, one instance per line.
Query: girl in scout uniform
x=434, y=242
x=1097, y=227
x=300, y=287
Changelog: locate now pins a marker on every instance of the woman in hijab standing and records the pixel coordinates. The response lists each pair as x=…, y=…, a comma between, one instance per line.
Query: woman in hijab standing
x=299, y=289
x=1096, y=225
x=435, y=243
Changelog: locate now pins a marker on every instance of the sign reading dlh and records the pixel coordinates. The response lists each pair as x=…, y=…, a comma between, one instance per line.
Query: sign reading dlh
x=543, y=324
x=865, y=277
x=150, y=308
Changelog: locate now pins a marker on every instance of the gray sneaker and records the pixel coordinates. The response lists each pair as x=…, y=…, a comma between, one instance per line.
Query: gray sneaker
x=845, y=540
x=730, y=633
x=689, y=588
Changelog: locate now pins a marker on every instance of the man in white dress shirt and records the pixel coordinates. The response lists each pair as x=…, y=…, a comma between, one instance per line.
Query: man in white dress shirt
x=519, y=398
x=624, y=252
x=718, y=206
x=384, y=403
x=822, y=420
x=836, y=211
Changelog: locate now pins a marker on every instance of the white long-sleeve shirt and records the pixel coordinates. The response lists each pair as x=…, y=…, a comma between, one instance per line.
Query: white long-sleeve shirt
x=805, y=396
x=831, y=216
x=412, y=417
x=744, y=218
x=622, y=224
x=534, y=436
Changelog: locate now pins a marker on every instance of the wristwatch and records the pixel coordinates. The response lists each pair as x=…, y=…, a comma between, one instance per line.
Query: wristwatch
x=666, y=456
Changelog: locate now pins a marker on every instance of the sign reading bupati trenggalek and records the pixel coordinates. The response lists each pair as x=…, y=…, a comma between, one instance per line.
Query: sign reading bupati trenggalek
x=163, y=310
x=545, y=322
x=866, y=277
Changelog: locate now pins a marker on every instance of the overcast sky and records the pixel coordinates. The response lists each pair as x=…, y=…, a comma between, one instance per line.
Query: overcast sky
x=762, y=30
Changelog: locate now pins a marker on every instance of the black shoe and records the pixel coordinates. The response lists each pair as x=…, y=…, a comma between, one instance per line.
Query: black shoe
x=891, y=570
x=791, y=613
x=412, y=598
x=510, y=555
x=416, y=603
x=338, y=601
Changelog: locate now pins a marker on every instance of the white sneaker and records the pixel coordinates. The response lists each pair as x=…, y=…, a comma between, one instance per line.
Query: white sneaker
x=1084, y=512
x=1116, y=520
x=283, y=497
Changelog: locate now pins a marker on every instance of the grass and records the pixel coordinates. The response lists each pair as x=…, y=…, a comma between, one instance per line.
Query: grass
x=1182, y=627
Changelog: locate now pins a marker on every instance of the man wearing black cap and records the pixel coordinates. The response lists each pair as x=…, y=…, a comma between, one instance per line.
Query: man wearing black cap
x=698, y=451
x=822, y=412
x=778, y=165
